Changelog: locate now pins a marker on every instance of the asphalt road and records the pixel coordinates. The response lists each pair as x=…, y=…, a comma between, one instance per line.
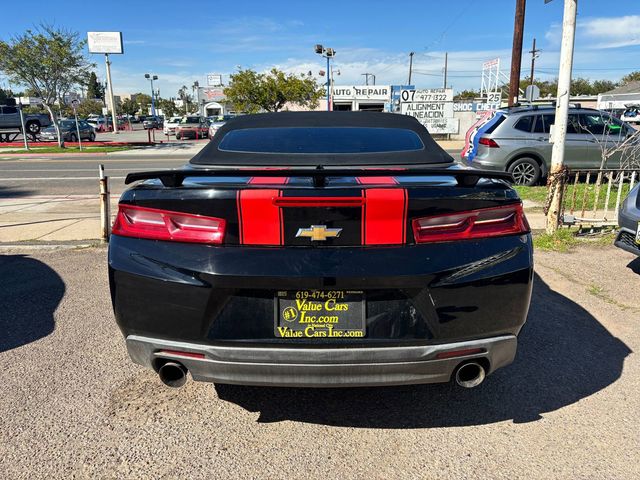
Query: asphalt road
x=77, y=175
x=73, y=405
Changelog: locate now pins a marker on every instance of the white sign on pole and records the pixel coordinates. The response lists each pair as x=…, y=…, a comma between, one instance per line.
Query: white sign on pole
x=433, y=108
x=105, y=42
x=214, y=80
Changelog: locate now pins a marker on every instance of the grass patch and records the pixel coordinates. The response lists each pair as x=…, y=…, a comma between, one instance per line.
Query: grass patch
x=566, y=239
x=65, y=150
x=561, y=241
x=534, y=194
x=579, y=194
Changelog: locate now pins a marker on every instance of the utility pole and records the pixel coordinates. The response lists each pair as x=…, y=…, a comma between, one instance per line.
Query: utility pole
x=411, y=54
x=446, y=61
x=516, y=53
x=366, y=78
x=559, y=130
x=534, y=55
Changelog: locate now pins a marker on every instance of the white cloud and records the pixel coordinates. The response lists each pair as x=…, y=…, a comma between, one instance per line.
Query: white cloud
x=612, y=32
x=601, y=32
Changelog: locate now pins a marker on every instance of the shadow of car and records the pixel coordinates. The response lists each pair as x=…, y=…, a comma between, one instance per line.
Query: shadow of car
x=30, y=294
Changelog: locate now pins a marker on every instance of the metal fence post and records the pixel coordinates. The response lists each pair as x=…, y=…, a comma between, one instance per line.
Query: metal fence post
x=105, y=207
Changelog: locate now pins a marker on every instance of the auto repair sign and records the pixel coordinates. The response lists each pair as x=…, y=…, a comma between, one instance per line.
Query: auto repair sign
x=432, y=107
x=362, y=92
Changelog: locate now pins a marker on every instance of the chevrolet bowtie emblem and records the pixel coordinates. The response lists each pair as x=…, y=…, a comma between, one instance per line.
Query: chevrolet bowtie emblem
x=319, y=233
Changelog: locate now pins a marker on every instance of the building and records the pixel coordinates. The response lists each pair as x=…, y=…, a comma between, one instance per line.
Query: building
x=372, y=98
x=212, y=101
x=619, y=98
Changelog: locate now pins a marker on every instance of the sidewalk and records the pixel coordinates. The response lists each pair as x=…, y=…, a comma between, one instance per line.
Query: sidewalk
x=51, y=218
x=68, y=218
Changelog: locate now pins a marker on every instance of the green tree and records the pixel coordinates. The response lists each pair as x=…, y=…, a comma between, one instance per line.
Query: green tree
x=168, y=107
x=187, y=100
x=88, y=107
x=47, y=60
x=630, y=77
x=129, y=106
x=144, y=102
x=601, y=86
x=5, y=95
x=466, y=95
x=94, y=88
x=252, y=92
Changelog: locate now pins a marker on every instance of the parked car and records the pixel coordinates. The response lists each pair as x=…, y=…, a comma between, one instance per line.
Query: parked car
x=192, y=126
x=169, y=127
x=69, y=131
x=152, y=122
x=99, y=124
x=631, y=114
x=628, y=237
x=33, y=122
x=321, y=249
x=517, y=141
x=216, y=122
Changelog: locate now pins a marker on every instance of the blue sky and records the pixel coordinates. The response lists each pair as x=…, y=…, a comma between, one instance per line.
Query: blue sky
x=183, y=41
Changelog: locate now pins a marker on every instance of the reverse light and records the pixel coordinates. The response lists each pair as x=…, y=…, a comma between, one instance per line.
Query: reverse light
x=155, y=224
x=488, y=142
x=459, y=353
x=482, y=223
x=180, y=353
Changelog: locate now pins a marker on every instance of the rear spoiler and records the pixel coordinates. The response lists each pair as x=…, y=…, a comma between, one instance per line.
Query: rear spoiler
x=464, y=177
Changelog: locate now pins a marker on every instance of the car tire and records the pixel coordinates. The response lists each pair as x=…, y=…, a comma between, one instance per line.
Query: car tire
x=92, y=137
x=178, y=136
x=525, y=171
x=33, y=127
x=73, y=138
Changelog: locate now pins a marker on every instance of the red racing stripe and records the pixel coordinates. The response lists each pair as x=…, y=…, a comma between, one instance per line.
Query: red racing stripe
x=384, y=219
x=260, y=219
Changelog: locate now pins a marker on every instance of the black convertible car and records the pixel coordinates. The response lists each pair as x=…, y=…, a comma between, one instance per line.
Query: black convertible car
x=321, y=249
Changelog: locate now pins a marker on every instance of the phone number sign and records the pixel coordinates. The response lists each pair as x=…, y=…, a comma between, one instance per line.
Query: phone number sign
x=432, y=107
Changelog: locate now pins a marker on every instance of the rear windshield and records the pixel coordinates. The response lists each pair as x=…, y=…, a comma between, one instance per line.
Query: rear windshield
x=323, y=140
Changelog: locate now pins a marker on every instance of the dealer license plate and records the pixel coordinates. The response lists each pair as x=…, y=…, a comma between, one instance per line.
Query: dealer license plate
x=320, y=314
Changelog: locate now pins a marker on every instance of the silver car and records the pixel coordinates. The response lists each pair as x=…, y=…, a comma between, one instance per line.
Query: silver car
x=517, y=141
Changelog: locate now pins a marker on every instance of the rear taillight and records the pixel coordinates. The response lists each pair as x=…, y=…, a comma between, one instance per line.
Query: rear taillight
x=154, y=224
x=487, y=222
x=488, y=142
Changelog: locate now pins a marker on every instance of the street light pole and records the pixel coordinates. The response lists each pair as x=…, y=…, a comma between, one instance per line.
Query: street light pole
x=153, y=102
x=328, y=53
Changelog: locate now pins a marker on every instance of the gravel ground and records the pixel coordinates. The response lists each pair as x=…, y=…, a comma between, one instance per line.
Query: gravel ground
x=74, y=406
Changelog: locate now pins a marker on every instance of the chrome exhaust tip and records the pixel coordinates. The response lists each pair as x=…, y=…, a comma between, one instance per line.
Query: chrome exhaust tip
x=173, y=374
x=470, y=374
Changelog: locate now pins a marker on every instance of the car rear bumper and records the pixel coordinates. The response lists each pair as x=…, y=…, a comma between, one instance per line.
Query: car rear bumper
x=322, y=367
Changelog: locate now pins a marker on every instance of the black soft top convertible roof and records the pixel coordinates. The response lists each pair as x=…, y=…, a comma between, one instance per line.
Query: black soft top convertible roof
x=431, y=154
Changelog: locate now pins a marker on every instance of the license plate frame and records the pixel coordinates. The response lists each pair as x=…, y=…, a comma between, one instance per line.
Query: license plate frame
x=319, y=314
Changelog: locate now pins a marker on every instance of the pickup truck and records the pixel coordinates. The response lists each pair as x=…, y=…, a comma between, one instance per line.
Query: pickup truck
x=10, y=119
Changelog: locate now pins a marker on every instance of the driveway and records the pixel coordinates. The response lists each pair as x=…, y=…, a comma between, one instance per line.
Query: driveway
x=73, y=405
